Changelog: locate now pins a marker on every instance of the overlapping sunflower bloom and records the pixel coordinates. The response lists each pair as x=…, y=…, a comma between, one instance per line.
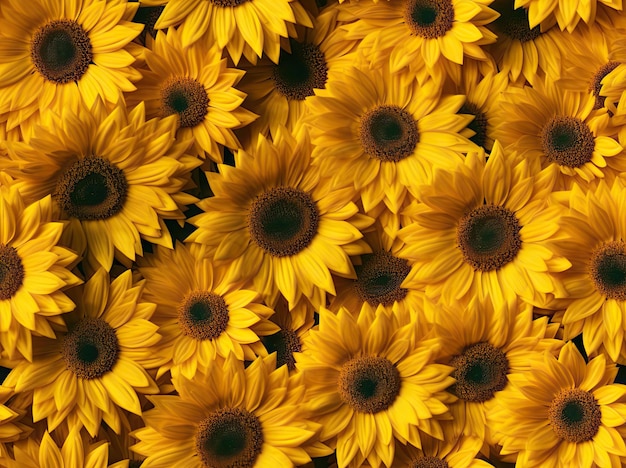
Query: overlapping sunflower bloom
x=312, y=233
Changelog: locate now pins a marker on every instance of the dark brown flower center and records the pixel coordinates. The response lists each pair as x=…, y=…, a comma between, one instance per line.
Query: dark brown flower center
x=429, y=462
x=514, y=22
x=61, y=51
x=478, y=125
x=567, y=141
x=299, y=72
x=91, y=188
x=479, y=372
x=488, y=237
x=228, y=3
x=369, y=384
x=283, y=221
x=11, y=272
x=228, y=438
x=574, y=415
x=429, y=19
x=596, y=82
x=91, y=348
x=379, y=278
x=284, y=344
x=608, y=270
x=185, y=97
x=203, y=315
x=388, y=133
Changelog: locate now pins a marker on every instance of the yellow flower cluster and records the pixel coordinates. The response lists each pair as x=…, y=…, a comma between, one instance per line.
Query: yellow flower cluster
x=299, y=233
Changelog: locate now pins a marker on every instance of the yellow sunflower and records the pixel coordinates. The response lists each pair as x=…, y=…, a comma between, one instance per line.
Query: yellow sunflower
x=230, y=416
x=592, y=237
x=559, y=131
x=248, y=27
x=35, y=271
x=73, y=451
x=439, y=34
x=442, y=454
x=564, y=412
x=57, y=54
x=486, y=345
x=200, y=314
x=371, y=382
x=274, y=221
x=383, y=133
x=483, y=230
x=93, y=373
x=116, y=176
x=567, y=14
x=195, y=84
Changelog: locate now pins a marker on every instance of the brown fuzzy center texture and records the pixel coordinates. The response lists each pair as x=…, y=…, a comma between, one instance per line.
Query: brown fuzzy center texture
x=388, y=133
x=429, y=19
x=379, y=278
x=575, y=415
x=11, y=272
x=567, y=141
x=608, y=270
x=203, y=315
x=298, y=73
x=91, y=348
x=185, y=97
x=479, y=372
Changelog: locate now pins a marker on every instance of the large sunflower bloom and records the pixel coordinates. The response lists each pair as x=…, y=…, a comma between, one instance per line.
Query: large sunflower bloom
x=482, y=230
x=92, y=373
x=439, y=34
x=383, y=133
x=273, y=221
x=370, y=382
x=593, y=238
x=116, y=176
x=201, y=315
x=249, y=27
x=486, y=346
x=559, y=131
x=56, y=54
x=35, y=270
x=564, y=412
x=195, y=84
x=230, y=416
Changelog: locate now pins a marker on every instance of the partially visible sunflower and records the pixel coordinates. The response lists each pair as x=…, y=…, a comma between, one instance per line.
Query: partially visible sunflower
x=564, y=412
x=483, y=230
x=593, y=238
x=565, y=13
x=230, y=416
x=200, y=314
x=93, y=373
x=248, y=27
x=273, y=221
x=195, y=84
x=434, y=453
x=559, y=131
x=383, y=133
x=60, y=54
x=437, y=34
x=116, y=176
x=34, y=271
x=486, y=345
x=371, y=382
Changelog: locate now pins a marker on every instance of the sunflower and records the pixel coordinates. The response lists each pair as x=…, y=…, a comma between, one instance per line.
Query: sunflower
x=486, y=345
x=92, y=373
x=442, y=454
x=280, y=92
x=200, y=315
x=34, y=271
x=73, y=451
x=370, y=382
x=525, y=53
x=439, y=34
x=383, y=133
x=195, y=84
x=116, y=176
x=559, y=131
x=274, y=222
x=564, y=412
x=57, y=54
x=592, y=237
x=248, y=27
x=482, y=230
x=230, y=416
x=565, y=13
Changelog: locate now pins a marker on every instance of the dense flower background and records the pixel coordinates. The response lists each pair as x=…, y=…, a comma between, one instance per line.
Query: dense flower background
x=273, y=233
